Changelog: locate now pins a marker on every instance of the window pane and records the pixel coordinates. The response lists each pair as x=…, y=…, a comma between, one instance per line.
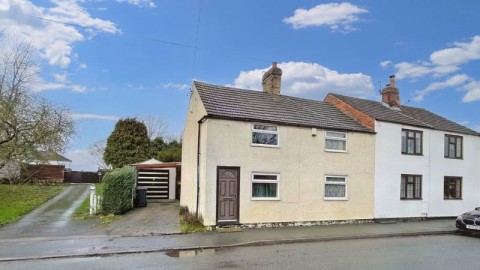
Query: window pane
x=402, y=187
x=404, y=141
x=458, y=188
x=410, y=146
x=451, y=150
x=335, y=145
x=335, y=179
x=418, y=187
x=264, y=138
x=409, y=191
x=264, y=177
x=340, y=135
x=446, y=146
x=459, y=148
x=334, y=191
x=264, y=190
x=418, y=143
x=264, y=127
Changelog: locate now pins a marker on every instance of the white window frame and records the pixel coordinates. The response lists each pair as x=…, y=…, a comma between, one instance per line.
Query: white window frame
x=336, y=183
x=336, y=139
x=266, y=132
x=265, y=181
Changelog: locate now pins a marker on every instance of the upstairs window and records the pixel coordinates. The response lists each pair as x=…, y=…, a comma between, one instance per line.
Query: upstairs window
x=412, y=142
x=265, y=135
x=452, y=188
x=411, y=187
x=453, y=146
x=336, y=141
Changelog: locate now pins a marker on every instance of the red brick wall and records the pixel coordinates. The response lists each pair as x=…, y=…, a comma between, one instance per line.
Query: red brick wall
x=359, y=116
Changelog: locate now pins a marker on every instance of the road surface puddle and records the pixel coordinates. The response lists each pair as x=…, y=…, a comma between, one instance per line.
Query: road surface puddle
x=190, y=253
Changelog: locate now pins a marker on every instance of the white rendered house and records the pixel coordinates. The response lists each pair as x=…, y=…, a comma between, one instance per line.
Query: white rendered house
x=425, y=165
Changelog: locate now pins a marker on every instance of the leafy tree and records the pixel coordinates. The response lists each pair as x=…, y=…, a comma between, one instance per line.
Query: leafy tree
x=156, y=146
x=128, y=143
x=172, y=152
x=28, y=123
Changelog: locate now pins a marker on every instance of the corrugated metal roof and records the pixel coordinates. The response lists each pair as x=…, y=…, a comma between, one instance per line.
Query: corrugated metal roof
x=248, y=105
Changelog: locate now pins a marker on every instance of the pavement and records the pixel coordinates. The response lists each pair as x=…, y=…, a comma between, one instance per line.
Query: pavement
x=49, y=232
x=98, y=245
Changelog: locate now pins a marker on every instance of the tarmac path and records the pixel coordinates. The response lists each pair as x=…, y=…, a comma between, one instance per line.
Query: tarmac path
x=53, y=219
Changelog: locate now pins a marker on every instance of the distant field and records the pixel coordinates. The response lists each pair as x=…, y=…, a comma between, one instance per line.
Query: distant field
x=17, y=200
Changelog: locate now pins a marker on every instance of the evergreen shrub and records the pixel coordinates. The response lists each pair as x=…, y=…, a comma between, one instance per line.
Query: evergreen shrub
x=119, y=190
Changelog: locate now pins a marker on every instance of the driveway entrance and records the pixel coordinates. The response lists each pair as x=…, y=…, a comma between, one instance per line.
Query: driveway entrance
x=54, y=218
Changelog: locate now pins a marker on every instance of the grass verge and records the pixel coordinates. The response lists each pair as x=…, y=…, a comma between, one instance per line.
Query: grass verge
x=189, y=223
x=83, y=211
x=18, y=200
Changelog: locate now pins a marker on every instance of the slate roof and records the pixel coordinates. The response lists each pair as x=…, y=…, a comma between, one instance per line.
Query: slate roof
x=248, y=105
x=53, y=156
x=406, y=115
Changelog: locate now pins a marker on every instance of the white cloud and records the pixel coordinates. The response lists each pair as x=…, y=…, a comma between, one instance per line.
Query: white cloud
x=178, y=86
x=78, y=116
x=61, y=81
x=139, y=3
x=82, y=160
x=473, y=91
x=442, y=62
x=83, y=66
x=310, y=80
x=385, y=64
x=460, y=53
x=453, y=81
x=53, y=30
x=333, y=15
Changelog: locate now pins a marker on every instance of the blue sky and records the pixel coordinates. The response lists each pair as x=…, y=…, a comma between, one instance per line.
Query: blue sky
x=107, y=60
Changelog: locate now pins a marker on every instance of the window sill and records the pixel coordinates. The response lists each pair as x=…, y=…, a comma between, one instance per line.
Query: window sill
x=335, y=199
x=408, y=154
x=336, y=151
x=452, y=199
x=265, y=199
x=265, y=145
x=454, y=158
x=411, y=199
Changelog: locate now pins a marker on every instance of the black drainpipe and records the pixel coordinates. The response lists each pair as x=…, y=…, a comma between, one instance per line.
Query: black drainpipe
x=198, y=162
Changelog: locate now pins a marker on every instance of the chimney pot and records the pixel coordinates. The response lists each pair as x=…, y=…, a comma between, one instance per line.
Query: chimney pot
x=392, y=80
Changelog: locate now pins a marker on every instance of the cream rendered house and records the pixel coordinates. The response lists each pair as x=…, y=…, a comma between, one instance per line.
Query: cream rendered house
x=425, y=165
x=253, y=157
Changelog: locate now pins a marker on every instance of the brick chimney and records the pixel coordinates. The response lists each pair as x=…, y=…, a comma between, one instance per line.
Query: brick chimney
x=390, y=94
x=272, y=80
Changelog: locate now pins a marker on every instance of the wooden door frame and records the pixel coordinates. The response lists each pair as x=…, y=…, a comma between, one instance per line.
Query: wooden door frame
x=238, y=196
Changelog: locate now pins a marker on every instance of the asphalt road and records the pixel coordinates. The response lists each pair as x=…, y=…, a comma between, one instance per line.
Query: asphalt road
x=423, y=252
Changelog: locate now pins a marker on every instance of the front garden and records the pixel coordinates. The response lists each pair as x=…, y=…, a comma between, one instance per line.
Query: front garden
x=18, y=200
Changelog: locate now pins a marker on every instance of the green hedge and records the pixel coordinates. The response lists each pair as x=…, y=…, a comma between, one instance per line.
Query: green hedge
x=119, y=190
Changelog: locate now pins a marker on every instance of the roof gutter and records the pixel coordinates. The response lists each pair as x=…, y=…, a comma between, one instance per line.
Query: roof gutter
x=198, y=161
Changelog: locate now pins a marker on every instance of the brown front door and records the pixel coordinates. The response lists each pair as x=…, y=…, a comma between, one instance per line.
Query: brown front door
x=228, y=194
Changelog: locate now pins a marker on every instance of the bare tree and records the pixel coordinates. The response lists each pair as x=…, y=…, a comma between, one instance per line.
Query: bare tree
x=97, y=150
x=156, y=126
x=28, y=123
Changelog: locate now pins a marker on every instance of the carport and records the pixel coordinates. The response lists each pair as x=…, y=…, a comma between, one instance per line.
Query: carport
x=159, y=178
